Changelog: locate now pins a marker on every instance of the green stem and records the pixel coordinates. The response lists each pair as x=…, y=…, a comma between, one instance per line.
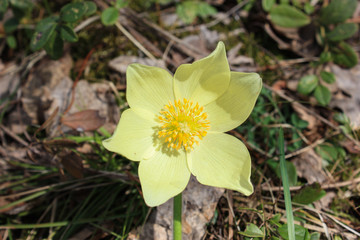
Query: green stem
x=177, y=216
x=285, y=180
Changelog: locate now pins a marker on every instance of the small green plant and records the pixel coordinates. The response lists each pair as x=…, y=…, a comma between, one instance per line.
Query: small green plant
x=311, y=85
x=51, y=32
x=344, y=121
x=110, y=15
x=19, y=8
x=189, y=10
x=331, y=32
x=330, y=153
x=330, y=22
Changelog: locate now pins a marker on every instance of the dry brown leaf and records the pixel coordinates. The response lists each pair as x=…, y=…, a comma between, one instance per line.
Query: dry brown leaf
x=299, y=40
x=279, y=85
x=47, y=88
x=351, y=147
x=85, y=148
x=325, y=201
x=348, y=100
x=10, y=81
x=308, y=165
x=60, y=143
x=72, y=162
x=313, y=122
x=87, y=120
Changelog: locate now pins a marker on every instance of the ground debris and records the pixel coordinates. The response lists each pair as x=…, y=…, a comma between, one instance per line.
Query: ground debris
x=308, y=165
x=46, y=89
x=121, y=63
x=348, y=98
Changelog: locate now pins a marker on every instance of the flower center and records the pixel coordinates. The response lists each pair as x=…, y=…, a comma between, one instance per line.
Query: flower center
x=183, y=124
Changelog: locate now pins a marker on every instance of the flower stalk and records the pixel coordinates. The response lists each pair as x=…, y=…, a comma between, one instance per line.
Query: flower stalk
x=177, y=210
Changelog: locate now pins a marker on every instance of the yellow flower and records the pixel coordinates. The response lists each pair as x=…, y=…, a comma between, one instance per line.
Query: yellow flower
x=175, y=126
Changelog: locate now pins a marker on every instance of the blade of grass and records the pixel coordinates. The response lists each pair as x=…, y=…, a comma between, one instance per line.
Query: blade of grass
x=25, y=199
x=25, y=180
x=108, y=231
x=60, y=223
x=285, y=181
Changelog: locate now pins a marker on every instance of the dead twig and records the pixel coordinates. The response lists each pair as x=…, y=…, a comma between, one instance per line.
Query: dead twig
x=14, y=136
x=323, y=186
x=183, y=46
x=47, y=122
x=227, y=14
x=134, y=41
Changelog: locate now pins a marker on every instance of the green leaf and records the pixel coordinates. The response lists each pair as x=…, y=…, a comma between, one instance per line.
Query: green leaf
x=10, y=25
x=275, y=220
x=290, y=168
x=72, y=12
x=309, y=194
x=344, y=55
x=337, y=11
x=286, y=187
x=301, y=233
x=90, y=8
x=298, y=122
x=25, y=5
x=325, y=57
x=315, y=236
x=186, y=11
x=328, y=152
x=11, y=41
x=203, y=9
x=164, y=2
x=342, y=31
x=3, y=6
x=322, y=95
x=40, y=38
x=68, y=34
x=109, y=16
x=46, y=22
x=252, y=231
x=121, y=3
x=328, y=77
x=288, y=16
x=267, y=4
x=341, y=118
x=54, y=47
x=307, y=84
x=308, y=8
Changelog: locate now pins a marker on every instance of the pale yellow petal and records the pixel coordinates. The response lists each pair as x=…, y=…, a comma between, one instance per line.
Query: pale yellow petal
x=235, y=105
x=148, y=87
x=204, y=80
x=221, y=160
x=163, y=176
x=133, y=137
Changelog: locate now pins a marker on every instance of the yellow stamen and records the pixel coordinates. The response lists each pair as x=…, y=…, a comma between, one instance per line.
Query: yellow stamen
x=183, y=124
